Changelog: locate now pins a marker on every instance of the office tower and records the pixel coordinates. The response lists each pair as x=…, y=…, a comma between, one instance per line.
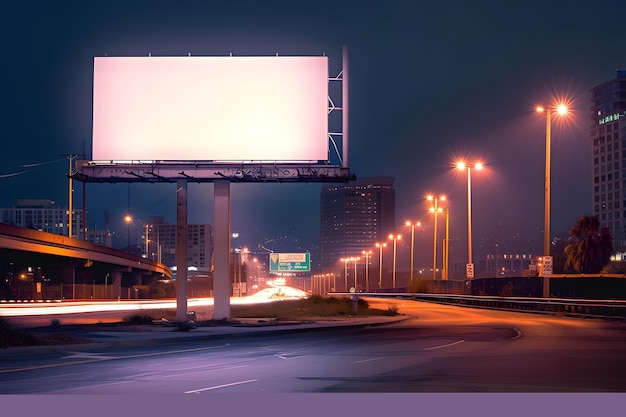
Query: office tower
x=354, y=216
x=608, y=135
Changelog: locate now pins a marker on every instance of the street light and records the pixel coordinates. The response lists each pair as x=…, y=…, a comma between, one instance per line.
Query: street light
x=380, y=247
x=367, y=254
x=412, y=224
x=446, y=247
x=395, y=240
x=128, y=220
x=345, y=263
x=435, y=210
x=560, y=109
x=355, y=275
x=461, y=165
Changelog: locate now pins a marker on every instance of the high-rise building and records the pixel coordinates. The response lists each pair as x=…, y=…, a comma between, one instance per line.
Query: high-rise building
x=608, y=135
x=354, y=216
x=159, y=239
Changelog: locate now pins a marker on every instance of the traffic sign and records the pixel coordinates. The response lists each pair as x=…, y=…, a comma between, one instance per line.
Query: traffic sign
x=547, y=266
x=469, y=270
x=290, y=262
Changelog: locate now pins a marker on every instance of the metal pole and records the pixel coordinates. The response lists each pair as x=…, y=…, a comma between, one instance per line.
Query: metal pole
x=367, y=265
x=447, y=246
x=412, y=248
x=546, y=219
x=344, y=106
x=355, y=280
x=380, y=266
x=435, y=244
x=469, y=215
x=71, y=198
x=393, y=277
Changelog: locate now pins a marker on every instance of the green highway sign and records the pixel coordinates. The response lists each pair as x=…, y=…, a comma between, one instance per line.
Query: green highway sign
x=290, y=262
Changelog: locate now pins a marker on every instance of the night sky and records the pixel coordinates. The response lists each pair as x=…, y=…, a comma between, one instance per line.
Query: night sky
x=429, y=81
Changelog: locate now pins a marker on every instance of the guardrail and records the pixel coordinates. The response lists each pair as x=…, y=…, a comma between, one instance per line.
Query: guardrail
x=607, y=309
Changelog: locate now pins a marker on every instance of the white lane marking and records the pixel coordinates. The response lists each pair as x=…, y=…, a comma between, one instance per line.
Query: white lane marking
x=179, y=374
x=88, y=355
x=519, y=334
x=195, y=391
x=301, y=353
x=99, y=359
x=368, y=360
x=447, y=345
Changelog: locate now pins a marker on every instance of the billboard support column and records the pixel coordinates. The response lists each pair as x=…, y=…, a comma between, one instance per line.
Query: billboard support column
x=344, y=106
x=221, y=249
x=181, y=250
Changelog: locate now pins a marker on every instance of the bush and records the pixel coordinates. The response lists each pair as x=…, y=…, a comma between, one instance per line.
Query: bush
x=391, y=311
x=137, y=319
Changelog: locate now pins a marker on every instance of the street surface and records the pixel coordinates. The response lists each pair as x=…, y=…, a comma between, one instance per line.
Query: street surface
x=439, y=349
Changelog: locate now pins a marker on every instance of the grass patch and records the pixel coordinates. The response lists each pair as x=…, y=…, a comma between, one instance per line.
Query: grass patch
x=314, y=306
x=12, y=337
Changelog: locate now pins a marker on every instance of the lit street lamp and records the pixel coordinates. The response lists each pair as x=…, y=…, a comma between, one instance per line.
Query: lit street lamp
x=380, y=247
x=395, y=240
x=412, y=224
x=560, y=109
x=355, y=275
x=345, y=277
x=128, y=220
x=435, y=210
x=446, y=248
x=367, y=254
x=461, y=165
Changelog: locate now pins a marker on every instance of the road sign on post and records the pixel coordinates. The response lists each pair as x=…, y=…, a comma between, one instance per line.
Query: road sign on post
x=290, y=262
x=547, y=266
x=469, y=270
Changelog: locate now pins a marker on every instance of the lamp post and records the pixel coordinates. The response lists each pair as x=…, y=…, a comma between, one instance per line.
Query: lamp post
x=412, y=224
x=395, y=241
x=367, y=254
x=559, y=109
x=435, y=210
x=446, y=247
x=128, y=220
x=345, y=277
x=355, y=259
x=380, y=247
x=461, y=165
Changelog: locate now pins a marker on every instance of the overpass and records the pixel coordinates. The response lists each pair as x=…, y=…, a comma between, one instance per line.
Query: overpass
x=32, y=260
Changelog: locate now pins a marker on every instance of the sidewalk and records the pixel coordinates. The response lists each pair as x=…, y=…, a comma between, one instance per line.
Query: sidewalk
x=133, y=336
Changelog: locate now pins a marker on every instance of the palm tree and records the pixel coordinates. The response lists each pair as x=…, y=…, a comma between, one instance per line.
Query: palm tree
x=590, y=247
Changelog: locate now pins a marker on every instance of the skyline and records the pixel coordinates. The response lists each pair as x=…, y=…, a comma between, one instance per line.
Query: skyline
x=428, y=84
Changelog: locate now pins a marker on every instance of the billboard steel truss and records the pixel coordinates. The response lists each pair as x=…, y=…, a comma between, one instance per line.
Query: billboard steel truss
x=208, y=172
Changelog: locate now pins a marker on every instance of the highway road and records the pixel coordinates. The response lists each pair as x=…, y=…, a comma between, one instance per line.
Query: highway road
x=439, y=349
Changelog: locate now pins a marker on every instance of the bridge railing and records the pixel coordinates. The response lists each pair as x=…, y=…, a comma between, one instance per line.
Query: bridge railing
x=615, y=309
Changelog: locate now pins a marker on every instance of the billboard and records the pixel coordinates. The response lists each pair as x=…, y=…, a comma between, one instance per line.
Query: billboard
x=290, y=262
x=239, y=109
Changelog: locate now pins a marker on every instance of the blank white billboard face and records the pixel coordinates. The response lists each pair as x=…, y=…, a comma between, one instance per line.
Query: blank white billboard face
x=210, y=109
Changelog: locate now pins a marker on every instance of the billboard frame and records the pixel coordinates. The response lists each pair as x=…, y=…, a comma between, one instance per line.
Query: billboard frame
x=222, y=174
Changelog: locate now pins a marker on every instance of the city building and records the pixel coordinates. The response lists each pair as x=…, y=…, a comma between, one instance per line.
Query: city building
x=354, y=216
x=45, y=216
x=608, y=135
x=159, y=244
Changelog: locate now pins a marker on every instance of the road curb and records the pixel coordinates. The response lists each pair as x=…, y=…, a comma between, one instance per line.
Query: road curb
x=202, y=333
